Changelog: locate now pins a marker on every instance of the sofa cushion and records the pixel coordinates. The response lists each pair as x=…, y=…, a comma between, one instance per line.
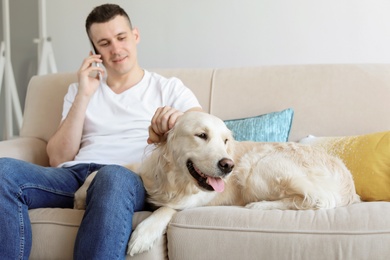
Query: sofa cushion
x=368, y=159
x=54, y=232
x=271, y=127
x=358, y=231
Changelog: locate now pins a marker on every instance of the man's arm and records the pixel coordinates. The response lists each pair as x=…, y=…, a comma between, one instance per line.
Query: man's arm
x=163, y=120
x=65, y=143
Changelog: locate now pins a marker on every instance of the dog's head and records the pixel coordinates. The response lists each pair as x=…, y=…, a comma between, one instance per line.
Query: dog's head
x=201, y=146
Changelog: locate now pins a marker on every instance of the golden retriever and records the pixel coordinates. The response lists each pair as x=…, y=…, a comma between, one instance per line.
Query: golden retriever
x=201, y=164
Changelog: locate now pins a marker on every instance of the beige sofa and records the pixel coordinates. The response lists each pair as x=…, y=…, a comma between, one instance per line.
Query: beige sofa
x=328, y=100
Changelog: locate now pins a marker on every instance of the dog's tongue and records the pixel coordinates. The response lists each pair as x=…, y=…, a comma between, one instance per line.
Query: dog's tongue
x=217, y=184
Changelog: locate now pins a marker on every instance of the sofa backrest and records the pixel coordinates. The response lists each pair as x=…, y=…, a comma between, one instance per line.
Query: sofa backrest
x=43, y=106
x=328, y=100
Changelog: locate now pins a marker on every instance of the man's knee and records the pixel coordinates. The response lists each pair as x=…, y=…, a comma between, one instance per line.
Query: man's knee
x=115, y=183
x=117, y=177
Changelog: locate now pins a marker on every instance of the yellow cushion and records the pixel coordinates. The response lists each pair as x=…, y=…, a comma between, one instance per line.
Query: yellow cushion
x=368, y=159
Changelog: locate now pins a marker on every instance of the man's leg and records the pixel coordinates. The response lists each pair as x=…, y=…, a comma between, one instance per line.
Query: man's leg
x=26, y=186
x=112, y=198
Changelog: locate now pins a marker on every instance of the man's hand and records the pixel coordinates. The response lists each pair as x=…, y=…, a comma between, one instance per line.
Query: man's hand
x=87, y=83
x=163, y=120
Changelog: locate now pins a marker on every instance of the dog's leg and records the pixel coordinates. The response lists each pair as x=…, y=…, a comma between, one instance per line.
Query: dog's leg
x=80, y=197
x=283, y=204
x=277, y=204
x=149, y=230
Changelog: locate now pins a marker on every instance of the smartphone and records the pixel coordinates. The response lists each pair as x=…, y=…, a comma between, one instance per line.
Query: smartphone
x=95, y=63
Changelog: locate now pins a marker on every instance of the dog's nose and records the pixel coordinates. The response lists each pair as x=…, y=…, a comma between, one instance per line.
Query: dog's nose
x=226, y=165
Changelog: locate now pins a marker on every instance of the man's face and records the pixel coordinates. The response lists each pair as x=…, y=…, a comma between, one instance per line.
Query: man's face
x=117, y=44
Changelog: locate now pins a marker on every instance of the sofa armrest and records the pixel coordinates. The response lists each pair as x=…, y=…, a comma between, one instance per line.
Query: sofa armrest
x=28, y=149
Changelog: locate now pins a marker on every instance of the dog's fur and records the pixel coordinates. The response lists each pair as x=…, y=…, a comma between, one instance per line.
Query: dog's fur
x=201, y=164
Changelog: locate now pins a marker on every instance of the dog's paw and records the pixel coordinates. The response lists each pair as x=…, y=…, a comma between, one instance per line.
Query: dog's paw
x=142, y=239
x=150, y=230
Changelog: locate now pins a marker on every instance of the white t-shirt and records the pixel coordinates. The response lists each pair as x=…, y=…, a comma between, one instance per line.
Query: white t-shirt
x=116, y=125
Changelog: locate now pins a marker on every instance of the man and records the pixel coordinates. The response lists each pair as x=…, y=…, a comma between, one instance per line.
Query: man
x=105, y=124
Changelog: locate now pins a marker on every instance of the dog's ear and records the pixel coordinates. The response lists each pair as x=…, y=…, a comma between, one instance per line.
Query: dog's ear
x=170, y=135
x=165, y=150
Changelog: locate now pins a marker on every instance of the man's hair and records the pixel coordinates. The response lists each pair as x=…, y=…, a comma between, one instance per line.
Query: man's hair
x=104, y=13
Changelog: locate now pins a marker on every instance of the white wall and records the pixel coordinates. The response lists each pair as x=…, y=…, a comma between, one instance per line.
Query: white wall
x=232, y=33
x=212, y=33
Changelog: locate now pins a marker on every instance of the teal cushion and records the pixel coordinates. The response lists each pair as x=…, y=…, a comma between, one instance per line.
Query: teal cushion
x=272, y=127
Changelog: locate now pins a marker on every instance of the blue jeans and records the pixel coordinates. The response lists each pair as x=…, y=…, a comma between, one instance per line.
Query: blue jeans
x=113, y=197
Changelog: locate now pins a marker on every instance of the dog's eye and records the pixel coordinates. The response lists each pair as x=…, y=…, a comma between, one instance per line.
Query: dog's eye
x=226, y=140
x=202, y=136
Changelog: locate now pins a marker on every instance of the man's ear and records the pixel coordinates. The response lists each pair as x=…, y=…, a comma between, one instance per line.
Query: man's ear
x=136, y=35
